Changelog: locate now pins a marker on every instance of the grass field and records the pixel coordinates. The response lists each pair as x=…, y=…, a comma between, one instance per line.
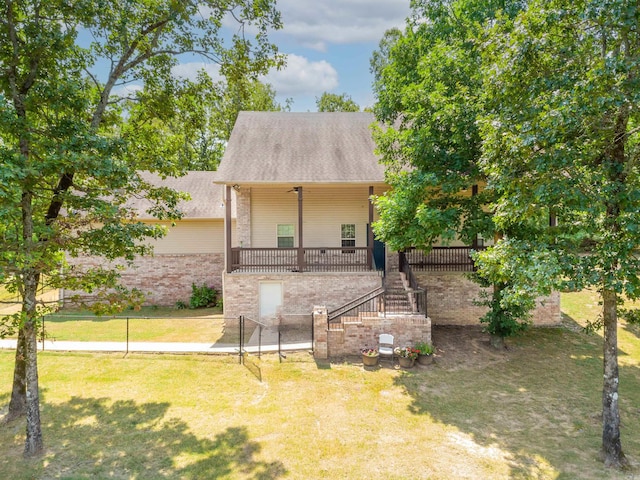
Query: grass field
x=163, y=324
x=6, y=296
x=531, y=412
x=147, y=325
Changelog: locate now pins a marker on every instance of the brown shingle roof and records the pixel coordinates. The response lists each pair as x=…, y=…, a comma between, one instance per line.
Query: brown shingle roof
x=286, y=147
x=206, y=197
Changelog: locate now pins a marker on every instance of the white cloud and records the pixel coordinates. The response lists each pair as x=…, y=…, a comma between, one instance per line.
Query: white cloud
x=302, y=77
x=190, y=70
x=316, y=23
x=126, y=90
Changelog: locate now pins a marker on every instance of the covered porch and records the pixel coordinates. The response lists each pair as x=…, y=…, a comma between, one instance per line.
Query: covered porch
x=329, y=230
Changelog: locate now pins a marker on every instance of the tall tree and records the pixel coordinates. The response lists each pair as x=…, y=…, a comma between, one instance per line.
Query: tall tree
x=70, y=154
x=428, y=85
x=561, y=136
x=332, y=102
x=202, y=115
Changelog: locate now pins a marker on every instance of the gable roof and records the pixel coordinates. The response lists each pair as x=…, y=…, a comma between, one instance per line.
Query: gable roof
x=291, y=147
x=206, y=197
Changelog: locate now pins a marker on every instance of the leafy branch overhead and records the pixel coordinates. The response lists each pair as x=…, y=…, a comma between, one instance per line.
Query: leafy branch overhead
x=428, y=86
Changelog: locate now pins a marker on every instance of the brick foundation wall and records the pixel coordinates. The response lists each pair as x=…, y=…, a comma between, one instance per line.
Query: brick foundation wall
x=352, y=336
x=548, y=310
x=300, y=291
x=450, y=298
x=166, y=278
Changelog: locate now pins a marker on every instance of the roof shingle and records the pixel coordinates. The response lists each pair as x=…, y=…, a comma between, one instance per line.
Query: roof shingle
x=286, y=147
x=206, y=197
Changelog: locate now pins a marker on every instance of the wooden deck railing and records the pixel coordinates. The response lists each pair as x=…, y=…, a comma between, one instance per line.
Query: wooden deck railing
x=444, y=259
x=345, y=259
x=342, y=259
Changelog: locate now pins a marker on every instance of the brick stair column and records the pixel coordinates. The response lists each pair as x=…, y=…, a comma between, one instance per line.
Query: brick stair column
x=321, y=334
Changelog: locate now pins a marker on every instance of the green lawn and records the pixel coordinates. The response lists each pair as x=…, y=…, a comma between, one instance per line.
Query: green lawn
x=532, y=412
x=149, y=324
x=140, y=329
x=148, y=312
x=6, y=296
x=207, y=326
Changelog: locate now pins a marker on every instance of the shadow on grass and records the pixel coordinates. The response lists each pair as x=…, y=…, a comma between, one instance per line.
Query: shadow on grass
x=4, y=406
x=632, y=328
x=95, y=438
x=537, y=405
x=323, y=364
x=252, y=363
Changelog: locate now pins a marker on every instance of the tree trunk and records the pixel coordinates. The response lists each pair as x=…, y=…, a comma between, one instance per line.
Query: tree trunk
x=33, y=444
x=18, y=403
x=496, y=338
x=31, y=276
x=497, y=342
x=612, y=454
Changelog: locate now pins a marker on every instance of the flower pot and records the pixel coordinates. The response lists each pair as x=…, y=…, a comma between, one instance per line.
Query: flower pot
x=425, y=359
x=406, y=362
x=370, y=361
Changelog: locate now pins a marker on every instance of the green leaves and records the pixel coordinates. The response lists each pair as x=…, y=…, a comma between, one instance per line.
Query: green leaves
x=72, y=141
x=540, y=101
x=561, y=101
x=428, y=85
x=331, y=102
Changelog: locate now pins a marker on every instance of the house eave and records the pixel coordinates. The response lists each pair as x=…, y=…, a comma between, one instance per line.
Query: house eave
x=333, y=183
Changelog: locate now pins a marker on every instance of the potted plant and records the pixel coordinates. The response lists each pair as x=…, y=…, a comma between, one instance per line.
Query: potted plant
x=406, y=356
x=425, y=355
x=370, y=357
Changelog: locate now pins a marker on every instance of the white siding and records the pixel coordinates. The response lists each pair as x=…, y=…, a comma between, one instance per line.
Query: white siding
x=191, y=236
x=325, y=209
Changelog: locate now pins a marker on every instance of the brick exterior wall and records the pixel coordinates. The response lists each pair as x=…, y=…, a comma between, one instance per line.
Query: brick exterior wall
x=243, y=217
x=450, y=298
x=301, y=291
x=352, y=336
x=166, y=278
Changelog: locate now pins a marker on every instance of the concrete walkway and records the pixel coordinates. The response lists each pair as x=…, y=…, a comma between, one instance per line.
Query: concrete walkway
x=268, y=342
x=154, y=347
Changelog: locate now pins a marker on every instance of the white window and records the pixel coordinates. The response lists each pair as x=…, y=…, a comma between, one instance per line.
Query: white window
x=285, y=235
x=348, y=236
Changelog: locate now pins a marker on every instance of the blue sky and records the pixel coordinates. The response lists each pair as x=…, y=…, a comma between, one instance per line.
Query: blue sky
x=328, y=44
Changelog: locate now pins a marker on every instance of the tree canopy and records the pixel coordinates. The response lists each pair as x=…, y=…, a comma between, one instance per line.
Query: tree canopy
x=538, y=102
x=72, y=142
x=201, y=117
x=427, y=84
x=332, y=102
x=560, y=136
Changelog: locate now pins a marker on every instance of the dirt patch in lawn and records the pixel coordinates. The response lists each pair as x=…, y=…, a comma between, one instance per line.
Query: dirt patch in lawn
x=462, y=347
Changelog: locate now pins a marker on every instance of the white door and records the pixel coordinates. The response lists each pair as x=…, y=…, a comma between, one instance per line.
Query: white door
x=270, y=300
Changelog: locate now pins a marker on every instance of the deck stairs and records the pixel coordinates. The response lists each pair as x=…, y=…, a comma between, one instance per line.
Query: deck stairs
x=396, y=302
x=395, y=287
